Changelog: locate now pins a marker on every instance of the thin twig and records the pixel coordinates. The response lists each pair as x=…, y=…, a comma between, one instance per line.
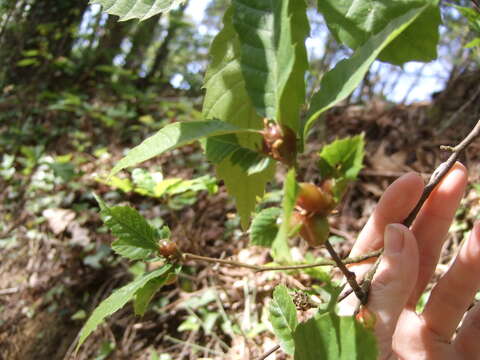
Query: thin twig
x=442, y=170
x=259, y=268
x=324, y=262
x=349, y=275
x=346, y=293
x=435, y=179
x=269, y=352
x=193, y=346
x=188, y=256
x=9, y=291
x=367, y=280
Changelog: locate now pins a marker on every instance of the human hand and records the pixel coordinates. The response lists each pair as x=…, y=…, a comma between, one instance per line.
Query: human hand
x=409, y=261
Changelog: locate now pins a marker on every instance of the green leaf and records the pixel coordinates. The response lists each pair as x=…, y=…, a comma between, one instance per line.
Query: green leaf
x=273, y=55
x=28, y=62
x=353, y=22
x=206, y=183
x=173, y=136
x=342, y=160
x=264, y=227
x=280, y=248
x=339, y=82
x=117, y=300
x=245, y=188
x=283, y=317
x=226, y=98
x=343, y=157
x=331, y=337
x=475, y=42
x=137, y=239
x=224, y=146
x=251, y=162
x=136, y=9
x=472, y=15
x=144, y=295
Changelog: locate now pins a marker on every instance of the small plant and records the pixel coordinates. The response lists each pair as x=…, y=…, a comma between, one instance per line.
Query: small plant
x=253, y=121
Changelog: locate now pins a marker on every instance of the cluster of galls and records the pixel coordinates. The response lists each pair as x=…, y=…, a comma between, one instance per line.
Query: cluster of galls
x=279, y=142
x=313, y=205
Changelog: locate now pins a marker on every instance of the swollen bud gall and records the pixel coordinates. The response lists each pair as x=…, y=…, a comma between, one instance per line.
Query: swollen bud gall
x=314, y=229
x=314, y=199
x=168, y=249
x=279, y=142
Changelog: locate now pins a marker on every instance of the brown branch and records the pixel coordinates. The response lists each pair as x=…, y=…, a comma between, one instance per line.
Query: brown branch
x=346, y=293
x=349, y=275
x=442, y=170
x=476, y=5
x=435, y=179
x=269, y=352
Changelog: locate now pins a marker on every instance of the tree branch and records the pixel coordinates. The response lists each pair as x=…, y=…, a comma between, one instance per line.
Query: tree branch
x=269, y=352
x=435, y=179
x=349, y=275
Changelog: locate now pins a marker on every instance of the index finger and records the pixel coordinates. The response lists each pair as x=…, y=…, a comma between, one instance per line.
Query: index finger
x=393, y=207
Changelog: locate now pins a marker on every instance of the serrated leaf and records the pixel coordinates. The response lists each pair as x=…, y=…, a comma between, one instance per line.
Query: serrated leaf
x=173, y=136
x=117, y=300
x=250, y=161
x=339, y=82
x=264, y=227
x=342, y=160
x=273, y=56
x=136, y=9
x=283, y=317
x=332, y=337
x=226, y=98
x=144, y=295
x=344, y=157
x=353, y=22
x=227, y=146
x=137, y=239
x=280, y=248
x=125, y=249
x=244, y=188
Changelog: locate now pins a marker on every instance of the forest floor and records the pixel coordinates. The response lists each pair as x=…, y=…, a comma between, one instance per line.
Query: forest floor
x=56, y=264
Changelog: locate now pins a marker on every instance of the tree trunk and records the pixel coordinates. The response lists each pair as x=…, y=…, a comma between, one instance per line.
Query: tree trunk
x=47, y=27
x=110, y=43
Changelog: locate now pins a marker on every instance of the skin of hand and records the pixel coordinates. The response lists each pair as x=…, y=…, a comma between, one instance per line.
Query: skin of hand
x=409, y=261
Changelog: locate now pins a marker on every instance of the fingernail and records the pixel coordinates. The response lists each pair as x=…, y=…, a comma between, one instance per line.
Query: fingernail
x=393, y=240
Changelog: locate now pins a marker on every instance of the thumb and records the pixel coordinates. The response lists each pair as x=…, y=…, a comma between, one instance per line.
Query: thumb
x=393, y=282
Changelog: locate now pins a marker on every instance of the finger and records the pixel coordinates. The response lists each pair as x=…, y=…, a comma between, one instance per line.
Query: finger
x=393, y=282
x=467, y=341
x=432, y=223
x=455, y=291
x=394, y=206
